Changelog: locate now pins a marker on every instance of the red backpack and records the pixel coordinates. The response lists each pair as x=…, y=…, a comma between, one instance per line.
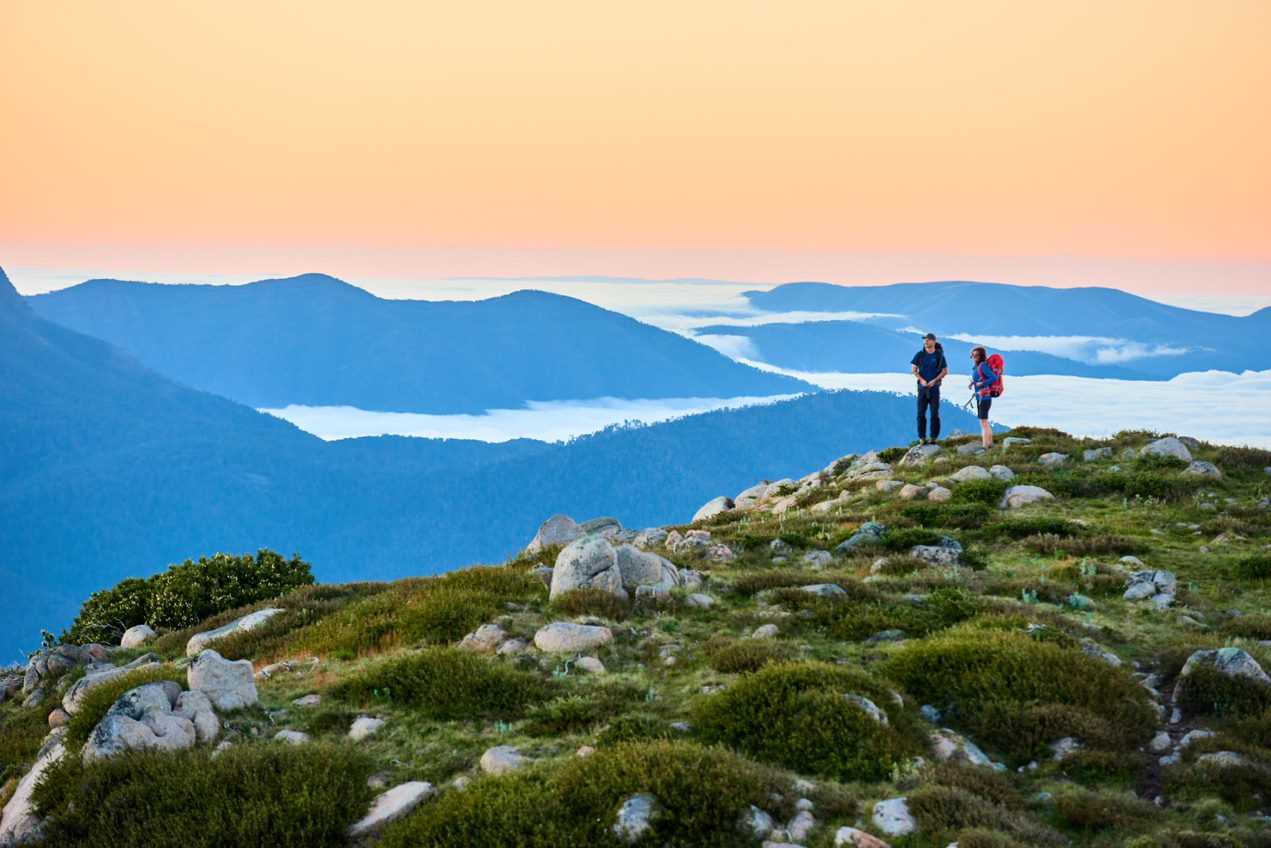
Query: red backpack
x=998, y=364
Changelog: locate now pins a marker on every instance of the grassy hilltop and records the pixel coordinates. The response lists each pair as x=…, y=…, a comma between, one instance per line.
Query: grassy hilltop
x=978, y=661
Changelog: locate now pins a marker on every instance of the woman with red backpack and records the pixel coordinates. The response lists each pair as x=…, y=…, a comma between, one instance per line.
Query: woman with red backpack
x=986, y=381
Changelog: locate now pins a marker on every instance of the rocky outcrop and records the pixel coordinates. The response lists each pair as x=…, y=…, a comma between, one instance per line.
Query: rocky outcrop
x=147, y=717
x=1022, y=496
x=566, y=637
x=200, y=641
x=1168, y=446
x=19, y=822
x=228, y=684
x=136, y=636
x=638, y=568
x=557, y=530
x=918, y=454
x=1156, y=585
x=390, y=806
x=714, y=507
x=75, y=695
x=587, y=563
x=869, y=533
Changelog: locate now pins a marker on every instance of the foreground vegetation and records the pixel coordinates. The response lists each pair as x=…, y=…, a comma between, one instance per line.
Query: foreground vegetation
x=1025, y=641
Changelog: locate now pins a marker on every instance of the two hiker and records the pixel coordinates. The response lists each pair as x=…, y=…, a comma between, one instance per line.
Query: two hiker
x=930, y=368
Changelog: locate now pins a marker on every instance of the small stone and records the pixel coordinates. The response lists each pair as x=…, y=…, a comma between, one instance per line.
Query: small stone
x=590, y=664
x=1001, y=472
x=364, y=727
x=698, y=600
x=939, y=494
x=584, y=751
x=757, y=821
x=1021, y=496
x=850, y=837
x=765, y=631
x=801, y=825
x=312, y=700
x=893, y=818
x=501, y=759
x=392, y=805
x=136, y=636
x=635, y=817
x=824, y=590
x=818, y=558
x=292, y=737
x=1199, y=468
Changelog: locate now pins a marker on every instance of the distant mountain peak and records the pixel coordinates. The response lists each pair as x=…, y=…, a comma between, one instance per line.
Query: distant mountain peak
x=10, y=300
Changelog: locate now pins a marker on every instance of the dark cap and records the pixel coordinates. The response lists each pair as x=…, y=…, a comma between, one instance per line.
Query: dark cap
x=931, y=336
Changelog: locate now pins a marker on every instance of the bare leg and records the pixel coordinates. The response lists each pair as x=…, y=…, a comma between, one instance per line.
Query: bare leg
x=986, y=433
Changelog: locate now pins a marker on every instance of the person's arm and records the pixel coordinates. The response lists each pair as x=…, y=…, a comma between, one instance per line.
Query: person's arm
x=914, y=365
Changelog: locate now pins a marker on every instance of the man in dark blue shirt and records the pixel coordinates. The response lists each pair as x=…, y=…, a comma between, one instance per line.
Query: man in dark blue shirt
x=929, y=367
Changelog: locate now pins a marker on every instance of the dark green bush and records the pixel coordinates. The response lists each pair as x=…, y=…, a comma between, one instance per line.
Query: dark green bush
x=946, y=811
x=759, y=581
x=856, y=619
x=592, y=602
x=445, y=683
x=1207, y=690
x=1018, y=693
x=420, y=609
x=797, y=715
x=1186, y=839
x=1255, y=625
x=987, y=492
x=1019, y=528
x=952, y=515
x=991, y=785
x=186, y=594
x=1242, y=460
x=1097, y=811
x=1254, y=567
x=636, y=726
x=904, y=538
x=98, y=700
x=1245, y=785
x=570, y=714
x=701, y=793
x=1120, y=768
x=734, y=656
x=274, y=795
x=1085, y=546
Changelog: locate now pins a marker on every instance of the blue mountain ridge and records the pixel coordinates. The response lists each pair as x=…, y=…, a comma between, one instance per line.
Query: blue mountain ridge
x=111, y=470
x=317, y=341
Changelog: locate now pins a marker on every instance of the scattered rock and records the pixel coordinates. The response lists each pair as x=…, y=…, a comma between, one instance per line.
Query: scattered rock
x=136, y=636
x=801, y=825
x=1233, y=662
x=590, y=664
x=871, y=532
x=228, y=684
x=1001, y=472
x=888, y=486
x=557, y=530
x=765, y=631
x=909, y=492
x=1203, y=469
x=142, y=717
x=512, y=646
x=850, y=837
x=200, y=641
x=918, y=454
x=869, y=707
x=486, y=638
x=392, y=805
x=365, y=727
x=698, y=600
x=817, y=558
x=1160, y=743
x=292, y=737
x=587, y=563
x=635, y=817
x=308, y=700
x=824, y=590
x=1061, y=748
x=75, y=695
x=937, y=555
x=939, y=494
x=893, y=818
x=1012, y=441
x=1096, y=454
x=1223, y=759
x=565, y=637
x=1021, y=496
x=713, y=507
x=970, y=449
x=1192, y=736
x=501, y=759
x=970, y=472
x=1168, y=446
x=1157, y=585
x=757, y=821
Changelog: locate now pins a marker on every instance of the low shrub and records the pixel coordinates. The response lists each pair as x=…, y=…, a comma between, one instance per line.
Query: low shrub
x=987, y=492
x=988, y=784
x=1019, y=693
x=1172, y=838
x=98, y=700
x=734, y=656
x=701, y=795
x=636, y=726
x=1245, y=785
x=1208, y=690
x=569, y=714
x=1036, y=433
x=592, y=602
x=946, y=811
x=1254, y=567
x=445, y=683
x=1242, y=460
x=1019, y=528
x=853, y=619
x=428, y=609
x=797, y=715
x=1252, y=626
x=1120, y=768
x=186, y=594
x=22, y=732
x=962, y=516
x=760, y=581
x=275, y=795
x=1085, y=546
x=1098, y=811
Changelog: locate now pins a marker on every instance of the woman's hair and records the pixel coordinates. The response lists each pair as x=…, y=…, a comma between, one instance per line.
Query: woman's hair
x=979, y=354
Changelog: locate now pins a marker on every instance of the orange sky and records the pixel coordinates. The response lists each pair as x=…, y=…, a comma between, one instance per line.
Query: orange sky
x=1098, y=129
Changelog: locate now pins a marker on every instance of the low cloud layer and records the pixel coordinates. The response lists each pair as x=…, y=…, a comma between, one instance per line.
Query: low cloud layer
x=1093, y=349
x=550, y=421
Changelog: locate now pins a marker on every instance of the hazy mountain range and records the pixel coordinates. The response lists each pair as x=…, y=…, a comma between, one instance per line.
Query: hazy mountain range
x=111, y=469
x=316, y=341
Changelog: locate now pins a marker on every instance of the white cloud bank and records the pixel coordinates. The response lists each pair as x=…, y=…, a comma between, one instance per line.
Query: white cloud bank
x=1218, y=406
x=549, y=421
x=1099, y=350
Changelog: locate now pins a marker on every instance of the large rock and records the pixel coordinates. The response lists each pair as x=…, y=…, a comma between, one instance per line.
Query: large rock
x=1168, y=446
x=751, y=496
x=136, y=636
x=868, y=467
x=1200, y=468
x=714, y=507
x=75, y=695
x=1001, y=472
x=557, y=530
x=197, y=707
x=200, y=641
x=1232, y=662
x=871, y=532
x=19, y=821
x=566, y=637
x=142, y=717
x=1157, y=584
x=1052, y=459
x=641, y=568
x=893, y=818
x=501, y=759
x=918, y=454
x=912, y=491
x=635, y=817
x=970, y=472
x=228, y=684
x=1021, y=496
x=937, y=554
x=391, y=806
x=587, y=563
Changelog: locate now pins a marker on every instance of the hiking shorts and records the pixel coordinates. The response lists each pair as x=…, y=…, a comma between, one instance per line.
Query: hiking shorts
x=984, y=403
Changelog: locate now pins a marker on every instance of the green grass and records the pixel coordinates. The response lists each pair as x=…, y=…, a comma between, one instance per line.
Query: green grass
x=274, y=795
x=445, y=683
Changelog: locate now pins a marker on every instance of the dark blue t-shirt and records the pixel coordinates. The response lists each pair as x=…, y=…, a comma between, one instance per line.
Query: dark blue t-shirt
x=929, y=364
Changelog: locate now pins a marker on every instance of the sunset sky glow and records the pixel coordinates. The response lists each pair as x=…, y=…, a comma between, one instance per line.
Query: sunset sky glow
x=745, y=140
